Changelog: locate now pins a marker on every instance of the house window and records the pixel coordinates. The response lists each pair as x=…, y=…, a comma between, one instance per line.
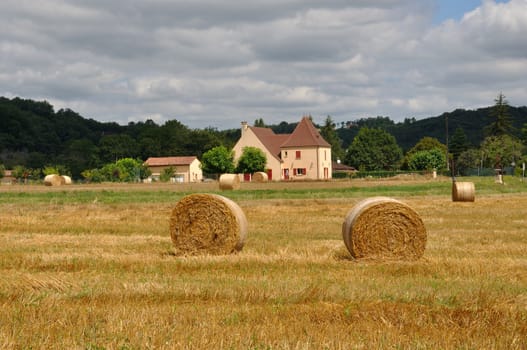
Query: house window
x=299, y=171
x=325, y=156
x=285, y=154
x=298, y=154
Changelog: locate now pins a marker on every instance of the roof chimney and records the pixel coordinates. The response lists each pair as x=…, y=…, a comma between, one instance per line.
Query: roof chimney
x=244, y=127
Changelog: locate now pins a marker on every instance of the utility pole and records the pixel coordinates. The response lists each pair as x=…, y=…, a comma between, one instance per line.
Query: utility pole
x=446, y=129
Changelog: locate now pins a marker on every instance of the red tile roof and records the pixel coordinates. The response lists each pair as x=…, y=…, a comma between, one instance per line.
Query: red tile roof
x=270, y=140
x=305, y=135
x=168, y=161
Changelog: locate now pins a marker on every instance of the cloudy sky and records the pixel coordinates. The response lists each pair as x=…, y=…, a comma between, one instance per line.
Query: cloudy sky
x=215, y=63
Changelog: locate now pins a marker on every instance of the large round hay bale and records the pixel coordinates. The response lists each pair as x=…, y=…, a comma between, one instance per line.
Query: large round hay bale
x=67, y=179
x=207, y=224
x=384, y=228
x=260, y=176
x=53, y=180
x=229, y=182
x=463, y=191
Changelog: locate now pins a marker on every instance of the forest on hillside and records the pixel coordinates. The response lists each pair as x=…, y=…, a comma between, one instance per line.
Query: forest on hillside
x=33, y=135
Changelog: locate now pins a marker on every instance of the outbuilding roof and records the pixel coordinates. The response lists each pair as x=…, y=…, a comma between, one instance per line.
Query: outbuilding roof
x=168, y=161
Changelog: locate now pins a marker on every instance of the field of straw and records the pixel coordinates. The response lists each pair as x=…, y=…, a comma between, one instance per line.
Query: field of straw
x=93, y=267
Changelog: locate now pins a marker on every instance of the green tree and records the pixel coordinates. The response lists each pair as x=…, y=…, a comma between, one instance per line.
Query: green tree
x=374, y=149
x=201, y=140
x=130, y=169
x=174, y=137
x=501, y=120
x=150, y=147
x=218, y=160
x=426, y=143
x=109, y=172
x=458, y=143
x=50, y=170
x=36, y=174
x=89, y=174
x=144, y=171
x=251, y=161
x=259, y=123
x=94, y=175
x=37, y=159
x=501, y=151
x=20, y=172
x=58, y=169
x=427, y=160
x=329, y=133
x=167, y=174
x=524, y=133
x=114, y=147
x=468, y=159
x=79, y=155
x=2, y=171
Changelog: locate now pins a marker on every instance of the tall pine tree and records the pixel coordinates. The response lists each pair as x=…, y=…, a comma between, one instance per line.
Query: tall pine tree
x=458, y=143
x=501, y=119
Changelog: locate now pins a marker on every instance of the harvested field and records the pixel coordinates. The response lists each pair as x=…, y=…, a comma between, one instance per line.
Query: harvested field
x=93, y=267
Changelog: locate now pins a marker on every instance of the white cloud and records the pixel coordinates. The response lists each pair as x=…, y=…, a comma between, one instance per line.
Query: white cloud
x=208, y=63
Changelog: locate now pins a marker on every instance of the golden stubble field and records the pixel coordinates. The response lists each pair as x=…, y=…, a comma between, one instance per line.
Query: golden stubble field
x=105, y=276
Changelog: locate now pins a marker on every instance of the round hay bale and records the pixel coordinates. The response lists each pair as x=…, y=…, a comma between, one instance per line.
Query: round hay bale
x=53, y=180
x=384, y=228
x=260, y=176
x=229, y=182
x=463, y=191
x=207, y=224
x=67, y=180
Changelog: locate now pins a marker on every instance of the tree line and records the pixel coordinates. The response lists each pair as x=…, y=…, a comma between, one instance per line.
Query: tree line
x=35, y=139
x=501, y=142
x=33, y=136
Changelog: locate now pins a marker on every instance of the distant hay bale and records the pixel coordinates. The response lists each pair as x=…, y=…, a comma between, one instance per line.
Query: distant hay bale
x=54, y=180
x=463, y=191
x=260, y=176
x=207, y=224
x=67, y=180
x=384, y=228
x=229, y=182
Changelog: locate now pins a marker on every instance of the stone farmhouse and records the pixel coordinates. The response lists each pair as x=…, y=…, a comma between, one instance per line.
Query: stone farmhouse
x=301, y=155
x=186, y=169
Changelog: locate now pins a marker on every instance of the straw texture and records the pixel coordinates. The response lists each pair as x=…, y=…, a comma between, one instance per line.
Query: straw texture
x=463, y=191
x=207, y=224
x=67, y=180
x=54, y=180
x=229, y=182
x=260, y=176
x=384, y=228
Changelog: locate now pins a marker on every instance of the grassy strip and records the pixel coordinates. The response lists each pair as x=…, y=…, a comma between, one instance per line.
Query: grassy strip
x=119, y=197
x=318, y=190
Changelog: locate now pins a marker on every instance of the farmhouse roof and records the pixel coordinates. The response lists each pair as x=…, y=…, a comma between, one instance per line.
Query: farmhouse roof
x=305, y=135
x=270, y=140
x=167, y=161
